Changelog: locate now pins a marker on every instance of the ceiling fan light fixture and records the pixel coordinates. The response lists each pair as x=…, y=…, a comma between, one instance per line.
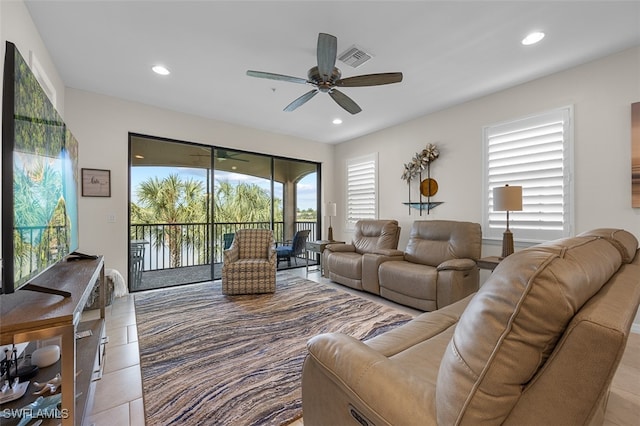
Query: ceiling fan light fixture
x=160, y=69
x=533, y=38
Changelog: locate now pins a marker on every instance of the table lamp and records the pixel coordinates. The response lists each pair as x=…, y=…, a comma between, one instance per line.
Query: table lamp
x=331, y=211
x=507, y=198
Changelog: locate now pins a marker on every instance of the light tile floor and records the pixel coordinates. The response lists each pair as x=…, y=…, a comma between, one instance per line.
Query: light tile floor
x=118, y=395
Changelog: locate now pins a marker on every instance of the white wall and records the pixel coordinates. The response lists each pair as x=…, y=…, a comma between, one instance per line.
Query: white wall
x=601, y=93
x=102, y=124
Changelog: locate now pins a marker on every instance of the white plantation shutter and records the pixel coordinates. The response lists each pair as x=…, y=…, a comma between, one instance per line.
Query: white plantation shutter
x=362, y=189
x=535, y=153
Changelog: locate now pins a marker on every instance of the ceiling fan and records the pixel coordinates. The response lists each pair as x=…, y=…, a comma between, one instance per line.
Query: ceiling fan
x=221, y=155
x=326, y=77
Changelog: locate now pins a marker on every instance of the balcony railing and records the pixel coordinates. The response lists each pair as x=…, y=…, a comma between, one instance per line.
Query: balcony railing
x=167, y=246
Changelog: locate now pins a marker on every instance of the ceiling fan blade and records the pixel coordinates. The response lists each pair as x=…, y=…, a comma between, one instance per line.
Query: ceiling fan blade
x=370, y=80
x=280, y=77
x=345, y=102
x=301, y=100
x=326, y=52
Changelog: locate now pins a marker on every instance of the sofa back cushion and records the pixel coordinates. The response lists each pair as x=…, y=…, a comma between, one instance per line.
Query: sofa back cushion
x=254, y=243
x=623, y=240
x=371, y=235
x=513, y=323
x=431, y=242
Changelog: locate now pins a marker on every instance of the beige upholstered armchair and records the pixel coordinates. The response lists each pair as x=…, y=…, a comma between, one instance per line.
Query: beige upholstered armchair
x=250, y=263
x=438, y=266
x=342, y=263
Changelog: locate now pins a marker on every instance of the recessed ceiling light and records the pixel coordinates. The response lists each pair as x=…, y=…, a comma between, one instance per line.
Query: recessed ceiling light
x=337, y=121
x=159, y=69
x=139, y=157
x=533, y=38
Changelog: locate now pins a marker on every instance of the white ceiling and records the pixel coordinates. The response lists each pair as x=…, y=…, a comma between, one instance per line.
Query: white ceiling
x=449, y=52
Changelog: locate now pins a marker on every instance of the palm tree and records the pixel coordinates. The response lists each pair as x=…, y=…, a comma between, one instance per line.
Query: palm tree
x=174, y=202
x=244, y=202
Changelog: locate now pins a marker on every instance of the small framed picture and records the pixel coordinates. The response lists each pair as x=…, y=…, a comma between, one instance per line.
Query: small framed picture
x=96, y=183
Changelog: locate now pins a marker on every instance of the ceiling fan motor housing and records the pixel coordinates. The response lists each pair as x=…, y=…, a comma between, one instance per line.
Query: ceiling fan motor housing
x=324, y=86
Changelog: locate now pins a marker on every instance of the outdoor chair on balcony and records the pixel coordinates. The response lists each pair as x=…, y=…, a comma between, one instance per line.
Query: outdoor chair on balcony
x=137, y=259
x=249, y=265
x=296, y=248
x=228, y=239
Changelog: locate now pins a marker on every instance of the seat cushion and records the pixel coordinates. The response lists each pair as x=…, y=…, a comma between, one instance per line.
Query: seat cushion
x=409, y=279
x=345, y=264
x=502, y=339
x=247, y=265
x=284, y=251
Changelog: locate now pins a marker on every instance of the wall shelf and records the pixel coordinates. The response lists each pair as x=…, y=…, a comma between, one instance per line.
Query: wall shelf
x=424, y=206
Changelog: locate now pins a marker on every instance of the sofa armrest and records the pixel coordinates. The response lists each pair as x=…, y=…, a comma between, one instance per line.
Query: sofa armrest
x=362, y=374
x=389, y=252
x=456, y=265
x=457, y=278
x=340, y=247
x=370, y=265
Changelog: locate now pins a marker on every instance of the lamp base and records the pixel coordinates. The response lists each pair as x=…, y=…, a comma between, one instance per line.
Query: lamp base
x=507, y=244
x=330, y=234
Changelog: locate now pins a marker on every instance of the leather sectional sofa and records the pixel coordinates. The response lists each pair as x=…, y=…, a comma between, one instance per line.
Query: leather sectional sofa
x=539, y=343
x=438, y=266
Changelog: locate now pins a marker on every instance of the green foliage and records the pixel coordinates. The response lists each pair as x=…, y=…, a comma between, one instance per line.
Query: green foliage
x=244, y=202
x=174, y=202
x=38, y=126
x=37, y=192
x=308, y=215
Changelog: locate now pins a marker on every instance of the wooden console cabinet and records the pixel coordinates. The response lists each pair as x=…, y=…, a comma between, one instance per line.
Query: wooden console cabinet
x=27, y=316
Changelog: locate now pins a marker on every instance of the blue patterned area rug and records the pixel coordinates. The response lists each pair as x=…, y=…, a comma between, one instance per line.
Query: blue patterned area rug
x=210, y=359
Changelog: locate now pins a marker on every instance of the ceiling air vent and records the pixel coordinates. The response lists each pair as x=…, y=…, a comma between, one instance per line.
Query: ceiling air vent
x=354, y=56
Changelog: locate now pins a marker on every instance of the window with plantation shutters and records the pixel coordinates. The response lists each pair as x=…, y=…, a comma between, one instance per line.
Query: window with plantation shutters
x=362, y=189
x=535, y=153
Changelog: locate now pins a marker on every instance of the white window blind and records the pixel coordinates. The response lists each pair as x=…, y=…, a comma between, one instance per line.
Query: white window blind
x=362, y=189
x=535, y=153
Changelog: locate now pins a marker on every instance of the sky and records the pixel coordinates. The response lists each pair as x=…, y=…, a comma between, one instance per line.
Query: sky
x=306, y=187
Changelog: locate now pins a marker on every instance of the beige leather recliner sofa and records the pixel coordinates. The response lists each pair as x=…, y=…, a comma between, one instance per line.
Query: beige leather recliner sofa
x=437, y=268
x=538, y=344
x=343, y=263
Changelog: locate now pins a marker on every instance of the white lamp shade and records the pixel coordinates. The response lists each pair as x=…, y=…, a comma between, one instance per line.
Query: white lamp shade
x=507, y=198
x=331, y=209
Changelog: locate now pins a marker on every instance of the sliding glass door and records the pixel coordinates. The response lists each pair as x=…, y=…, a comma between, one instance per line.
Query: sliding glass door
x=187, y=201
x=170, y=212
